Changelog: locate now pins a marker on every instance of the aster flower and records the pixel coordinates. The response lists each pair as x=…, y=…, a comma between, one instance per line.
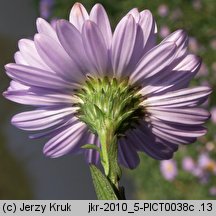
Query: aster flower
x=169, y=169
x=119, y=92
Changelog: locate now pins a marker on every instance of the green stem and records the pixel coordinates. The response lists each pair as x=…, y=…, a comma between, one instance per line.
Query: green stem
x=109, y=160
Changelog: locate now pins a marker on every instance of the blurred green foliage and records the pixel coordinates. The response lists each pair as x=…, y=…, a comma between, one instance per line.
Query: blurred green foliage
x=150, y=184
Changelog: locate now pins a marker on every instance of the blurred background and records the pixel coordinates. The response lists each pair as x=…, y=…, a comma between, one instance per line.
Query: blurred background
x=25, y=173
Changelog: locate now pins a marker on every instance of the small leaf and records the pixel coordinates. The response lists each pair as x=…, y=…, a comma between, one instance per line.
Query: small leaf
x=99, y=111
x=91, y=146
x=103, y=187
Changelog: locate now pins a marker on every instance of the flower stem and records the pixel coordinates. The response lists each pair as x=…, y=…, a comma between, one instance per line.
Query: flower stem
x=109, y=158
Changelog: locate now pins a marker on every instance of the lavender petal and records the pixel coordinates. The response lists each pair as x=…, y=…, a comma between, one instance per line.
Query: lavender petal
x=38, y=99
x=172, y=78
x=122, y=45
x=181, y=40
x=66, y=141
x=78, y=16
x=95, y=47
x=91, y=155
x=42, y=118
x=32, y=76
x=45, y=28
x=154, y=61
x=147, y=143
x=190, y=97
x=191, y=116
x=99, y=16
x=149, y=28
x=71, y=41
x=127, y=154
x=57, y=58
x=30, y=54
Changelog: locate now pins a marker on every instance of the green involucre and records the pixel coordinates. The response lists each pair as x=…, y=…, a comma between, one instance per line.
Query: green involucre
x=109, y=103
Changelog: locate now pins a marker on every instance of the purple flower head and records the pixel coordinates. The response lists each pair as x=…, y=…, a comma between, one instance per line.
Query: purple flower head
x=168, y=169
x=45, y=8
x=82, y=77
x=188, y=164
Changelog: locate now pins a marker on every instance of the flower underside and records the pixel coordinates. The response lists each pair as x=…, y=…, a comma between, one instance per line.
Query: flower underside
x=109, y=103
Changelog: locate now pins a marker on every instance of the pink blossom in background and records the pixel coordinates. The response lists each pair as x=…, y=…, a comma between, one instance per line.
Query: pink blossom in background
x=206, y=163
x=45, y=8
x=210, y=145
x=188, y=164
x=203, y=70
x=213, y=114
x=198, y=172
x=214, y=66
x=168, y=169
x=176, y=14
x=164, y=31
x=203, y=160
x=163, y=10
x=213, y=44
x=193, y=44
x=197, y=5
x=212, y=191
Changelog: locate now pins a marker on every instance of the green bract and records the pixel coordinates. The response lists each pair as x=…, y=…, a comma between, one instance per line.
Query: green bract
x=109, y=102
